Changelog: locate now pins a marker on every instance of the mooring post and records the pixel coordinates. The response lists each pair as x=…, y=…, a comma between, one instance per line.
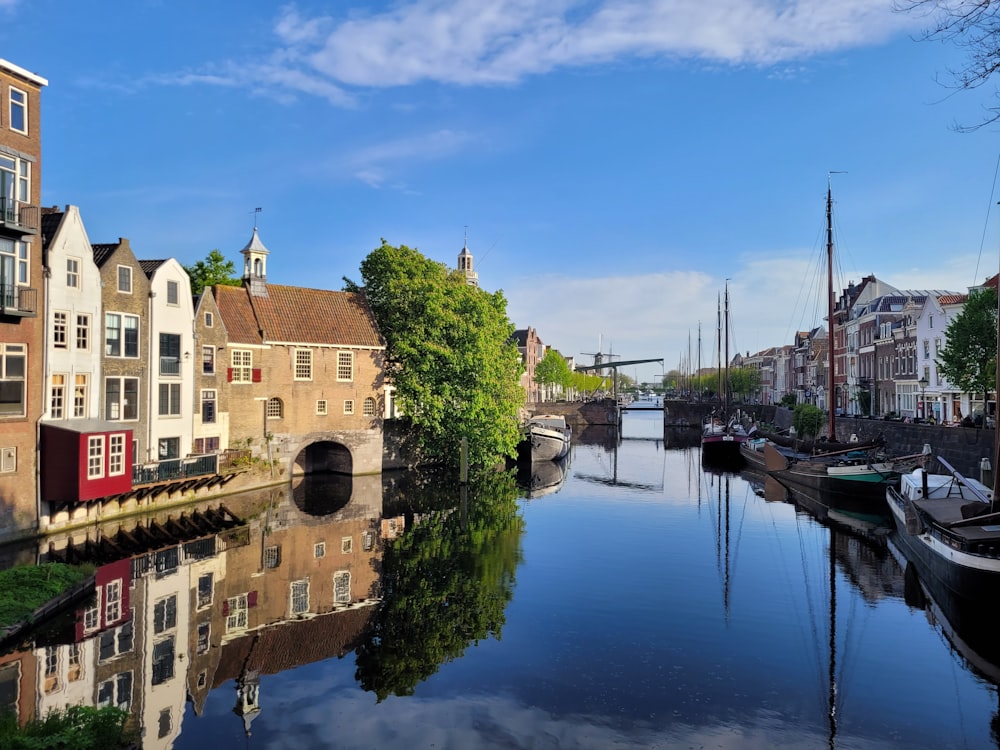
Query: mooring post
x=464, y=469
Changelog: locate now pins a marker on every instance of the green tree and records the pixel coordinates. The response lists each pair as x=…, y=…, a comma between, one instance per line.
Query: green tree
x=553, y=370
x=744, y=382
x=77, y=727
x=969, y=358
x=449, y=352
x=215, y=269
x=807, y=420
x=445, y=583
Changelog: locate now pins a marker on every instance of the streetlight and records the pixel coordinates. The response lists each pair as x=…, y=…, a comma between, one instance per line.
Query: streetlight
x=923, y=401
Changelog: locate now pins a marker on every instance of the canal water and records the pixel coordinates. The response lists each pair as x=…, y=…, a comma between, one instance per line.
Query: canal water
x=630, y=598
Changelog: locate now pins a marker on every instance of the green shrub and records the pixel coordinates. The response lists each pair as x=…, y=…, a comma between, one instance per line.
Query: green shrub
x=72, y=728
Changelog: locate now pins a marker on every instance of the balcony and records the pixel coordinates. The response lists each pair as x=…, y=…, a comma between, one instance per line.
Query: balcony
x=18, y=219
x=192, y=467
x=19, y=301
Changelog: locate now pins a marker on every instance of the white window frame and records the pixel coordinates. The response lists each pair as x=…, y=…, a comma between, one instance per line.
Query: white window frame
x=95, y=456
x=319, y=550
x=238, y=615
x=342, y=587
x=19, y=351
x=322, y=408
x=209, y=395
x=116, y=454
x=242, y=365
x=368, y=407
x=82, y=332
x=275, y=408
x=112, y=601
x=173, y=400
x=173, y=293
x=346, y=545
x=345, y=367
x=60, y=329
x=298, y=597
x=73, y=273
x=208, y=358
x=348, y=406
x=124, y=282
x=120, y=404
x=122, y=318
x=19, y=103
x=303, y=364
x=57, y=395
x=209, y=320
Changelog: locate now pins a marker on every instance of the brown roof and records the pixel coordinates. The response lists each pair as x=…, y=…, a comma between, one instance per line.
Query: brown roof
x=291, y=314
x=951, y=299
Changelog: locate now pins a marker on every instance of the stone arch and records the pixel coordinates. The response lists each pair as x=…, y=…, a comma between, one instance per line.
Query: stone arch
x=324, y=456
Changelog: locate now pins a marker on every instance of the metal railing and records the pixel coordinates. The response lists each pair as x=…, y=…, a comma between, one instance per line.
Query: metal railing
x=177, y=468
x=18, y=300
x=20, y=216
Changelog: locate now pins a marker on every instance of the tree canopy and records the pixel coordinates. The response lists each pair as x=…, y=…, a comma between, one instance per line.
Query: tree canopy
x=972, y=25
x=215, y=269
x=969, y=358
x=450, y=354
x=553, y=370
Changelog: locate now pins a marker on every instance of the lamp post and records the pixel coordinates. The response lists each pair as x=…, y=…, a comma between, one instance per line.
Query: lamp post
x=923, y=401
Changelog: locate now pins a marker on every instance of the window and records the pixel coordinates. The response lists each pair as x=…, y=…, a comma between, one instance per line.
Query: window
x=165, y=724
x=272, y=556
x=113, y=602
x=8, y=460
x=83, y=332
x=116, y=691
x=13, y=253
x=170, y=354
x=80, y=410
x=75, y=671
x=236, y=619
x=208, y=407
x=321, y=408
x=349, y=406
x=165, y=614
x=12, y=379
x=368, y=540
x=368, y=407
x=57, y=403
x=303, y=364
x=115, y=642
x=346, y=545
x=204, y=640
x=205, y=589
x=927, y=349
x=299, y=597
x=72, y=273
x=206, y=445
x=119, y=342
x=209, y=320
x=116, y=455
x=208, y=360
x=274, y=408
x=163, y=667
x=173, y=293
x=319, y=550
x=342, y=587
x=169, y=448
x=59, y=330
x=18, y=110
x=125, y=279
x=95, y=456
x=345, y=366
x=242, y=366
x=91, y=619
x=170, y=400
x=51, y=669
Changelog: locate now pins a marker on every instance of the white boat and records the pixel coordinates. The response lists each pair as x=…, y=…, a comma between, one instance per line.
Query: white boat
x=545, y=438
x=950, y=525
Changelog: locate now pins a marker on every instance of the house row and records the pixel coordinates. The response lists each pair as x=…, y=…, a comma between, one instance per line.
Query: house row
x=117, y=383
x=885, y=348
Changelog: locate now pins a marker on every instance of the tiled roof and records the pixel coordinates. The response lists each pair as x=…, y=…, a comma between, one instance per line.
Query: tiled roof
x=291, y=314
x=51, y=218
x=952, y=299
x=103, y=252
x=237, y=315
x=149, y=266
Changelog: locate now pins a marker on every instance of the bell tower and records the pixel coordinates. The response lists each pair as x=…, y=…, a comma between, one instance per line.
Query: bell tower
x=255, y=266
x=465, y=263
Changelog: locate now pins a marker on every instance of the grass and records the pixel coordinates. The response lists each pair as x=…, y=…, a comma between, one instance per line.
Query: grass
x=26, y=588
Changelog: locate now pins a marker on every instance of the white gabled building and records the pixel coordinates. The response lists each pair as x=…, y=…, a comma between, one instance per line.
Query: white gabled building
x=171, y=359
x=72, y=318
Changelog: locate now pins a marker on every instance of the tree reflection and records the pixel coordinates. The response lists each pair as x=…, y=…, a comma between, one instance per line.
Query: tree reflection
x=445, y=582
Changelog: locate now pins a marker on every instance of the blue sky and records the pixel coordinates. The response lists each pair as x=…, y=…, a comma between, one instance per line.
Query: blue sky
x=614, y=162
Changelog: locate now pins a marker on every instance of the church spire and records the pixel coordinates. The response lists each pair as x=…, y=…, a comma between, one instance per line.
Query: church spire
x=255, y=264
x=465, y=263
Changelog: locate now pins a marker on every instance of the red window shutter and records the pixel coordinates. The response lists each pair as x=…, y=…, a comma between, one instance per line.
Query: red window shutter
x=229, y=374
x=225, y=608
x=256, y=375
x=252, y=599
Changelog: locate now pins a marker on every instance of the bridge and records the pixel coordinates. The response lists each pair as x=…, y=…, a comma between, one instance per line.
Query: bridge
x=614, y=379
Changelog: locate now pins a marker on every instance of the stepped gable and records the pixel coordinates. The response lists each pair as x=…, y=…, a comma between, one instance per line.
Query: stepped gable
x=291, y=314
x=237, y=314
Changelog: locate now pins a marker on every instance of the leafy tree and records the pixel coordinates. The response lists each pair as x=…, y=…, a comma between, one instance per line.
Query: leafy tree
x=969, y=358
x=450, y=355
x=445, y=583
x=215, y=269
x=744, y=381
x=973, y=25
x=807, y=420
x=78, y=727
x=553, y=370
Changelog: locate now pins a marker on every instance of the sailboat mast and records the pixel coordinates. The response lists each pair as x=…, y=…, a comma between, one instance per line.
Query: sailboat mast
x=718, y=346
x=831, y=407
x=726, y=325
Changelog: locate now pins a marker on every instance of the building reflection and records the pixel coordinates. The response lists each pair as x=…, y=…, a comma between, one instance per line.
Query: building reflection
x=272, y=580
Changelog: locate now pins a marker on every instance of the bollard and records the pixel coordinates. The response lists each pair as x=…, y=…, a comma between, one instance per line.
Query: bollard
x=986, y=472
x=464, y=470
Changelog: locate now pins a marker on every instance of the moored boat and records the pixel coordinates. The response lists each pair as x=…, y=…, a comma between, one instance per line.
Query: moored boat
x=545, y=438
x=950, y=524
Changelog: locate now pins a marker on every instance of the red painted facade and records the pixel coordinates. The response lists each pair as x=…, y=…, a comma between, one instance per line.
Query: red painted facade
x=85, y=462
